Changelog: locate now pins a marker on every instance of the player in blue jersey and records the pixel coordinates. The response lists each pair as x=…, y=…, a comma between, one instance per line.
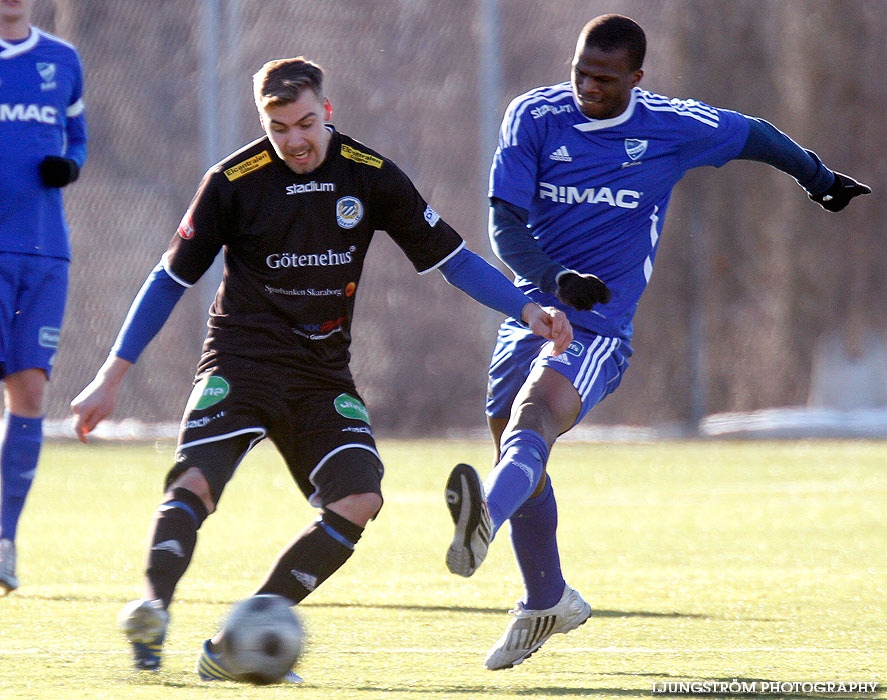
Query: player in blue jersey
x=579, y=187
x=42, y=148
x=294, y=214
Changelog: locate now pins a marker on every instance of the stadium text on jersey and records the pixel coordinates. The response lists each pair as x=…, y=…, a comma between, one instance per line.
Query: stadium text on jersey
x=312, y=186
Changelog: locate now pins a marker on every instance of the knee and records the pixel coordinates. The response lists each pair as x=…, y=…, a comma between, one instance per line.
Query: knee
x=359, y=508
x=193, y=480
x=181, y=502
x=535, y=414
x=549, y=410
x=25, y=391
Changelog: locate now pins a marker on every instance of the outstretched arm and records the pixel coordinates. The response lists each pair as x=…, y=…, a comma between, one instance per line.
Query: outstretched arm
x=767, y=144
x=149, y=311
x=484, y=283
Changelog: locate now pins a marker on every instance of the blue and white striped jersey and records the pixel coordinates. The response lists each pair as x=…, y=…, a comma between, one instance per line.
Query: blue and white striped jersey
x=41, y=114
x=597, y=190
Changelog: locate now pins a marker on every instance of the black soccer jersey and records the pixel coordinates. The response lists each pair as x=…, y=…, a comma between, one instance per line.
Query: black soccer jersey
x=294, y=247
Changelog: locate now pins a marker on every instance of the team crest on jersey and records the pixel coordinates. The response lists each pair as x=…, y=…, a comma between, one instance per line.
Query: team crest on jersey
x=47, y=72
x=349, y=212
x=635, y=148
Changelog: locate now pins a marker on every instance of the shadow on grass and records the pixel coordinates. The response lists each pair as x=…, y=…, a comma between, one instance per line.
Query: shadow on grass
x=170, y=681
x=372, y=606
x=499, y=611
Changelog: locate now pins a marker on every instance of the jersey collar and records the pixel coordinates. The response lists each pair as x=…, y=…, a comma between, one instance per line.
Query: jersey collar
x=598, y=124
x=10, y=50
x=331, y=147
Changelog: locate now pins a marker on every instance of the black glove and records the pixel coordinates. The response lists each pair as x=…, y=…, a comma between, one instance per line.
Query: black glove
x=840, y=193
x=581, y=291
x=57, y=171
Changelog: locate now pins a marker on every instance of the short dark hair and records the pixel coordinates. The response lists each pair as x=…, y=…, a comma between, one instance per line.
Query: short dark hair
x=282, y=80
x=613, y=32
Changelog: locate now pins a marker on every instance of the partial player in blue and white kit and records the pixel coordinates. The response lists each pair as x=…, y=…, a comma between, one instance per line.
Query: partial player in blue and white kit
x=579, y=188
x=42, y=148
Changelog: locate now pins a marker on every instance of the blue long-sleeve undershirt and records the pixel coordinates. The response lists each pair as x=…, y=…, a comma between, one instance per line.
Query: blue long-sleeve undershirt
x=513, y=243
x=767, y=144
x=75, y=146
x=147, y=313
x=484, y=283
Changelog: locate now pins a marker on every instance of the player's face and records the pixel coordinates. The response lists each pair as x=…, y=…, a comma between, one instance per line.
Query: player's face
x=602, y=81
x=16, y=10
x=297, y=131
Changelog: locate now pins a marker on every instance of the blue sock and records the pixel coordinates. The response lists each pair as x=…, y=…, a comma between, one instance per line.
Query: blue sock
x=18, y=465
x=513, y=479
x=534, y=538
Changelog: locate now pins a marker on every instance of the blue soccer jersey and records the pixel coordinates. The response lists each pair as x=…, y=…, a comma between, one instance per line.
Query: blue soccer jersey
x=597, y=190
x=41, y=114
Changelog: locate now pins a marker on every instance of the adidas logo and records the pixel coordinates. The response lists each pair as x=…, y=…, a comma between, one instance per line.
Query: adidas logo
x=171, y=546
x=561, y=154
x=307, y=580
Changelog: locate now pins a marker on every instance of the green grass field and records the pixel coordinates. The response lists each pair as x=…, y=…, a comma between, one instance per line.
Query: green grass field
x=703, y=561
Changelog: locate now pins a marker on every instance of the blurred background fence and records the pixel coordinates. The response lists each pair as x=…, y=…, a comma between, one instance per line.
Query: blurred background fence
x=759, y=299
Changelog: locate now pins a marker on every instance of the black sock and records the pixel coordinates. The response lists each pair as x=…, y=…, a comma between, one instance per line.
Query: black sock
x=312, y=557
x=173, y=538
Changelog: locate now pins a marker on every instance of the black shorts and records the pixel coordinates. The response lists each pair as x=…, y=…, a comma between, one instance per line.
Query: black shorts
x=322, y=431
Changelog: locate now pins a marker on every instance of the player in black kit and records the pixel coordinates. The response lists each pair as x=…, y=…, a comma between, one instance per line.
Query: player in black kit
x=294, y=213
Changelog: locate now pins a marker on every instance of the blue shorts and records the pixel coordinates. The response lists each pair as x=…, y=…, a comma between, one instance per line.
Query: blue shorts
x=33, y=289
x=593, y=363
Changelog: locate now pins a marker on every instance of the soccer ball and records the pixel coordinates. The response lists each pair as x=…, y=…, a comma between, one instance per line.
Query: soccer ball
x=262, y=639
